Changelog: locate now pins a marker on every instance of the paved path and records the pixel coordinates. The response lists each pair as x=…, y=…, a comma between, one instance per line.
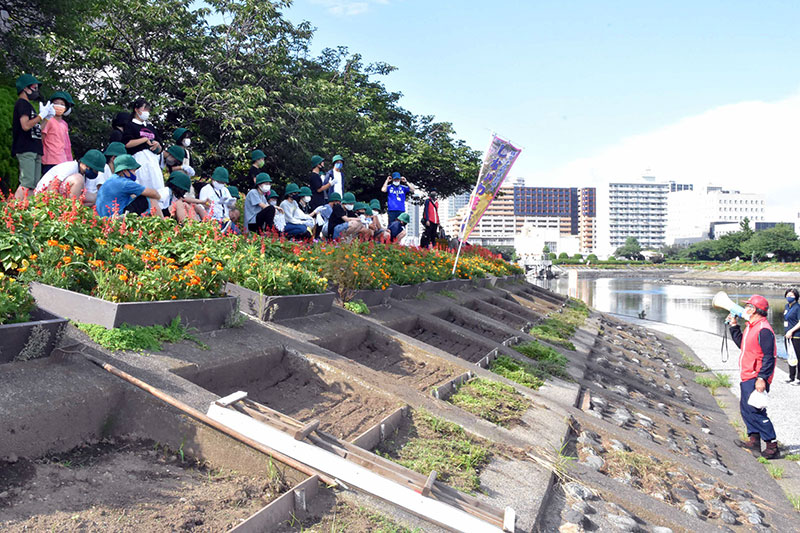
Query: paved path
x=784, y=398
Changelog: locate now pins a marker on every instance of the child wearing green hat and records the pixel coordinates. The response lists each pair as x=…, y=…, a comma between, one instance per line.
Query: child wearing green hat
x=26, y=134
x=259, y=211
x=257, y=163
x=175, y=201
x=68, y=178
x=218, y=197
x=298, y=223
x=122, y=194
x=56, y=146
x=335, y=176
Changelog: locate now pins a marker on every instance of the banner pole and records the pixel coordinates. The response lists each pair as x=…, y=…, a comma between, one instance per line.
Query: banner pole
x=458, y=253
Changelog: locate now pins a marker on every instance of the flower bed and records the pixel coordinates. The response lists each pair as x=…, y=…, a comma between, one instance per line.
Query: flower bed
x=57, y=242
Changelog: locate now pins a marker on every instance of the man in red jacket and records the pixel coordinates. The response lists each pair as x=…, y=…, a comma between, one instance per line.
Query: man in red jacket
x=756, y=368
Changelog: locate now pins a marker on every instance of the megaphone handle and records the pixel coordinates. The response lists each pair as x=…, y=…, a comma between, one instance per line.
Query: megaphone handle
x=724, y=346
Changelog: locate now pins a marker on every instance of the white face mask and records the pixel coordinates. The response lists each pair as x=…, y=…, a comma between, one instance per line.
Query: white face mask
x=396, y=183
x=349, y=207
x=217, y=185
x=264, y=187
x=144, y=115
x=187, y=142
x=306, y=199
x=273, y=202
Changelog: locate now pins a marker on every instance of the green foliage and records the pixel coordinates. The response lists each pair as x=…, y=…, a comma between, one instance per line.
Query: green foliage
x=442, y=446
x=16, y=302
x=138, y=338
x=794, y=499
x=496, y=402
x=449, y=294
x=690, y=365
x=631, y=249
x=549, y=361
x=714, y=382
x=593, y=258
x=357, y=306
x=780, y=241
x=9, y=168
x=792, y=456
x=775, y=471
x=763, y=460
x=563, y=256
x=523, y=373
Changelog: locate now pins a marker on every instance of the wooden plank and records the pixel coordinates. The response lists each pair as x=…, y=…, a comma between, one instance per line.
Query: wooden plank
x=373, y=436
x=303, y=432
x=232, y=398
x=279, y=510
x=437, y=512
x=426, y=488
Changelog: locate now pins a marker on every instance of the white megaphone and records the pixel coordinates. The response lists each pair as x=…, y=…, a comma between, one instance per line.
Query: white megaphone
x=723, y=301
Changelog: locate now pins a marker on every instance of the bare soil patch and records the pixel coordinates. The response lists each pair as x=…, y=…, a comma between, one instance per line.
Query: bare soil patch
x=125, y=485
x=494, y=312
x=447, y=341
x=472, y=325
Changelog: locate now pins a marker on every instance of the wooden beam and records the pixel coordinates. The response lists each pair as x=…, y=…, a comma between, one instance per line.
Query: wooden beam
x=426, y=488
x=232, y=398
x=303, y=432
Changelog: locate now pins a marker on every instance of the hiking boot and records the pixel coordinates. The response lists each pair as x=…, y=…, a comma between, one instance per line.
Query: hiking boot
x=771, y=450
x=754, y=444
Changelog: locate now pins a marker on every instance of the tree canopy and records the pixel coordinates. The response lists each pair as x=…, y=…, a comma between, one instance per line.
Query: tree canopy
x=240, y=76
x=630, y=250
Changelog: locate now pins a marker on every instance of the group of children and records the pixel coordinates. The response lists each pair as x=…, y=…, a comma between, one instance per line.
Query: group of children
x=129, y=177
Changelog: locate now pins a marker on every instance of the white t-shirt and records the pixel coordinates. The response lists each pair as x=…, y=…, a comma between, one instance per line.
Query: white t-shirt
x=338, y=182
x=93, y=185
x=59, y=172
x=221, y=201
x=166, y=197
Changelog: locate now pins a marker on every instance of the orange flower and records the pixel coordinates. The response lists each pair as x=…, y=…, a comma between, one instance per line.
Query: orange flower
x=123, y=277
x=97, y=263
x=117, y=250
x=52, y=242
x=129, y=247
x=33, y=257
x=99, y=241
x=67, y=259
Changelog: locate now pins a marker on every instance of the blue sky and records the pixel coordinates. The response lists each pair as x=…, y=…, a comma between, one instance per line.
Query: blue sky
x=569, y=80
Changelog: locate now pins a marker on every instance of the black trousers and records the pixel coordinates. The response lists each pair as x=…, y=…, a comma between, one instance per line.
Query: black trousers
x=139, y=205
x=265, y=220
x=793, y=369
x=431, y=232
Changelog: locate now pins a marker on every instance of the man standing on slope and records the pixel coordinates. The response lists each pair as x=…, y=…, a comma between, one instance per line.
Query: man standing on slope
x=756, y=367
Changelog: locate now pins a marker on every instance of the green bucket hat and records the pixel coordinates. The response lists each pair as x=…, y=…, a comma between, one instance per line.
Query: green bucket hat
x=375, y=204
x=263, y=177
x=180, y=180
x=255, y=155
x=334, y=197
x=26, y=80
x=177, y=152
x=316, y=160
x=336, y=158
x=115, y=149
x=234, y=190
x=95, y=160
x=403, y=217
x=273, y=194
x=305, y=191
x=125, y=162
x=64, y=95
x=178, y=133
x=292, y=188
x=369, y=211
x=349, y=198
x=358, y=206
x=220, y=174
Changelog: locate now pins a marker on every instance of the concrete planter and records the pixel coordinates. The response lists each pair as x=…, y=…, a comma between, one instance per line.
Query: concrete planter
x=480, y=283
x=436, y=286
x=461, y=284
x=373, y=297
x=204, y=314
x=404, y=292
x=31, y=340
x=271, y=308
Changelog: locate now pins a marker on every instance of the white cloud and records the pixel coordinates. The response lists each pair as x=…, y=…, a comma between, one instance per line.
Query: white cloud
x=749, y=146
x=347, y=8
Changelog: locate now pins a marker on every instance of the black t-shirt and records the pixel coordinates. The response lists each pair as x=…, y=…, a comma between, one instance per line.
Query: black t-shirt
x=337, y=215
x=315, y=183
x=252, y=173
x=115, y=137
x=25, y=141
x=137, y=131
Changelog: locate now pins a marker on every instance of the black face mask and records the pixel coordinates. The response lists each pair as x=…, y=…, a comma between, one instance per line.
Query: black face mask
x=90, y=174
x=34, y=95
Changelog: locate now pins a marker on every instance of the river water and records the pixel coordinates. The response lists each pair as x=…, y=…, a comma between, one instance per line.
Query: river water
x=683, y=305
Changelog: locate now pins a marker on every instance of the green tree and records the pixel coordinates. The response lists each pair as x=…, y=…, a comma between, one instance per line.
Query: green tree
x=630, y=250
x=563, y=256
x=592, y=258
x=780, y=241
x=577, y=256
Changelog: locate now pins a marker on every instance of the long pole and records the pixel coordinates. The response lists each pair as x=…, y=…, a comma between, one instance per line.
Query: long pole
x=194, y=413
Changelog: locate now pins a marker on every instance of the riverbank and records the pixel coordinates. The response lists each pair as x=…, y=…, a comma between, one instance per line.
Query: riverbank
x=687, y=276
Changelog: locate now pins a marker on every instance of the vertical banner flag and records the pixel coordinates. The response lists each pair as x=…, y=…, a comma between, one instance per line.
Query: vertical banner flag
x=496, y=164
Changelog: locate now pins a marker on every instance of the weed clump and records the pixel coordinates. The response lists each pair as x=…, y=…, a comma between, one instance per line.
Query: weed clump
x=138, y=338
x=548, y=361
x=357, y=306
x=496, y=402
x=559, y=328
x=714, y=382
x=517, y=371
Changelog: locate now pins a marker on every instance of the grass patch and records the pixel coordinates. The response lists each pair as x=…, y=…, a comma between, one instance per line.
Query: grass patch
x=691, y=365
x=357, y=306
x=795, y=501
x=649, y=472
x=721, y=404
x=517, y=371
x=138, y=338
x=792, y=457
x=775, y=471
x=496, y=402
x=558, y=329
x=382, y=523
x=763, y=460
x=449, y=294
x=713, y=382
x=549, y=362
x=431, y=443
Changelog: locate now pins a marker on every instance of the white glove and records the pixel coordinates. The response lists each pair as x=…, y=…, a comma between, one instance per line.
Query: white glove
x=189, y=171
x=46, y=111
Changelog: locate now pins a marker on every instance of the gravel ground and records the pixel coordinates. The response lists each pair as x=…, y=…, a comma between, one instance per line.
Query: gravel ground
x=783, y=398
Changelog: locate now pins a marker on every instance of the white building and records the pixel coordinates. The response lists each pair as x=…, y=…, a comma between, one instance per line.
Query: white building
x=531, y=240
x=691, y=213
x=635, y=208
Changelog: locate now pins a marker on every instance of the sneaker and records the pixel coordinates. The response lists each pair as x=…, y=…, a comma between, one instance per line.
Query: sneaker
x=789, y=381
x=796, y=383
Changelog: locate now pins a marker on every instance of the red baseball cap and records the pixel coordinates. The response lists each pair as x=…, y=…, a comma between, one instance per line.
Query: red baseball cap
x=758, y=302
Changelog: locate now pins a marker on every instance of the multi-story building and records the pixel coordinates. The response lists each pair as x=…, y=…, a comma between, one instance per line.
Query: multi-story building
x=691, y=213
x=635, y=208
